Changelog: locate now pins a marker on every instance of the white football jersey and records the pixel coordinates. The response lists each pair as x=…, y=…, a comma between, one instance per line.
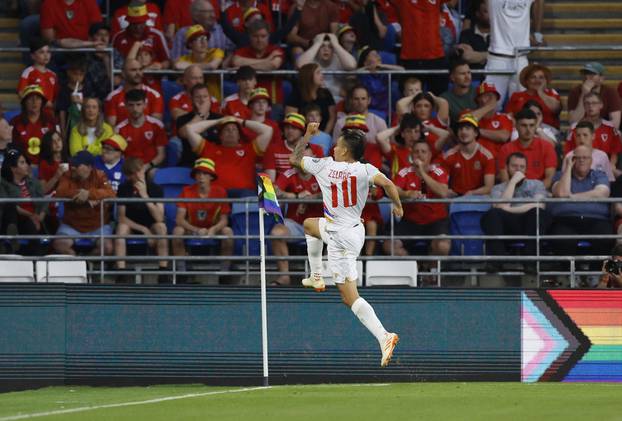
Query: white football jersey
x=509, y=25
x=344, y=189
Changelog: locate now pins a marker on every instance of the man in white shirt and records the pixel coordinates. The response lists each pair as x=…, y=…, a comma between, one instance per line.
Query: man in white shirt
x=510, y=29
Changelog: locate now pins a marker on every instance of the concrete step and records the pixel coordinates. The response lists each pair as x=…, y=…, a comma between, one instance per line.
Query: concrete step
x=583, y=39
x=556, y=8
x=612, y=24
x=9, y=23
x=567, y=55
x=11, y=71
x=9, y=37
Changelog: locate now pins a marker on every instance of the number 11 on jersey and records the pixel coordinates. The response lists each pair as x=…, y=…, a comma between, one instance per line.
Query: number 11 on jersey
x=348, y=191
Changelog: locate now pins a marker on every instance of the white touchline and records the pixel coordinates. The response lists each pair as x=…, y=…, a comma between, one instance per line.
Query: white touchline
x=117, y=405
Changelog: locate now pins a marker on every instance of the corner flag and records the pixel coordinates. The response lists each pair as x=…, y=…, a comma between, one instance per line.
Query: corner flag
x=267, y=197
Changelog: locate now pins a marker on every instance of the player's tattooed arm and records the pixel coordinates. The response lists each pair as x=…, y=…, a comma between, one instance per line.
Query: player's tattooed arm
x=295, y=159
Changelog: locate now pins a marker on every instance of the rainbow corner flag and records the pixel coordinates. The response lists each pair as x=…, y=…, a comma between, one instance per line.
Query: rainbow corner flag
x=267, y=197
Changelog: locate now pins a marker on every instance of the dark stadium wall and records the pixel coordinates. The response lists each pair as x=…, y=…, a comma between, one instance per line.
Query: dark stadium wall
x=90, y=334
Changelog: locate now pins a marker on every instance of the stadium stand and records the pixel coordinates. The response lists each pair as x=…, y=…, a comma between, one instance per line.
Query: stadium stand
x=579, y=36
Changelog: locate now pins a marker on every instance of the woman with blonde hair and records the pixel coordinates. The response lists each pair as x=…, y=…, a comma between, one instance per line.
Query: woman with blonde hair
x=90, y=130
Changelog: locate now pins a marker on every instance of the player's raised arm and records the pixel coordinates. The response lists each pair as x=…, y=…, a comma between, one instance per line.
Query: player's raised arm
x=389, y=188
x=296, y=157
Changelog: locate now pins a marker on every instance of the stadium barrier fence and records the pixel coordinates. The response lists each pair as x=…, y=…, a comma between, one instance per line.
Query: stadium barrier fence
x=471, y=263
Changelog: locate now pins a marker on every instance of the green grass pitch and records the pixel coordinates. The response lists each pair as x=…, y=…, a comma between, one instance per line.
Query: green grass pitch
x=381, y=402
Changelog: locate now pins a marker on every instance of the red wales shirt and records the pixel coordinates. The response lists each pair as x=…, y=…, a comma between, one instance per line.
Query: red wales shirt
x=46, y=79
x=143, y=141
x=606, y=138
x=70, y=21
x=291, y=182
x=115, y=103
x=518, y=100
x=206, y=214
x=498, y=121
x=421, y=212
x=421, y=26
x=235, y=166
x=540, y=156
x=467, y=174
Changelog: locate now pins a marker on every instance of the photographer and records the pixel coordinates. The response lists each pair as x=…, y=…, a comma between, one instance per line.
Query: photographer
x=612, y=270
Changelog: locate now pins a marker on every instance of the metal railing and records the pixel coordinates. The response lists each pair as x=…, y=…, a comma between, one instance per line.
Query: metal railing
x=248, y=259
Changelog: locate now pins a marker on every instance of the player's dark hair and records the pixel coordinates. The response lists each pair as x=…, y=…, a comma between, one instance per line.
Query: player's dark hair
x=354, y=140
x=515, y=155
x=585, y=125
x=135, y=95
x=525, y=114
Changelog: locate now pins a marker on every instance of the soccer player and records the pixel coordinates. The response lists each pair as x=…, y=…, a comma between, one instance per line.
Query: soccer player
x=344, y=182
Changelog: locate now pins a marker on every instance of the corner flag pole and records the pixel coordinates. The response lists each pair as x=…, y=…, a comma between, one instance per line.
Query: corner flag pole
x=264, y=307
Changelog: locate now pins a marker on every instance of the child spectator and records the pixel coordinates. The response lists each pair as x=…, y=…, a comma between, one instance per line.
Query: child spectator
x=237, y=104
x=32, y=123
x=110, y=162
x=259, y=104
x=38, y=73
x=71, y=95
x=91, y=129
x=203, y=219
x=313, y=114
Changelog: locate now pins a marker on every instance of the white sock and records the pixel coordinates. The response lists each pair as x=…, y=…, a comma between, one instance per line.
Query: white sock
x=314, y=251
x=366, y=314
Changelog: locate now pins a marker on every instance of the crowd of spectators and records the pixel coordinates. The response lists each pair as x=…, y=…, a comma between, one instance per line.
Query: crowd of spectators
x=86, y=133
